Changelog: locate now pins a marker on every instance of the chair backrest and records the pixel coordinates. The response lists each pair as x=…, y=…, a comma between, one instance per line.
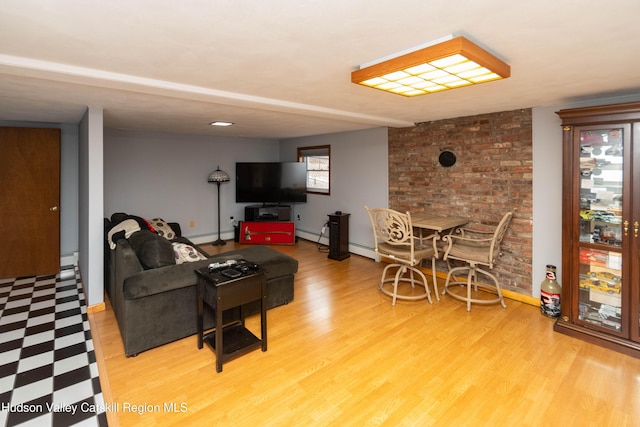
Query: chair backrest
x=498, y=235
x=392, y=233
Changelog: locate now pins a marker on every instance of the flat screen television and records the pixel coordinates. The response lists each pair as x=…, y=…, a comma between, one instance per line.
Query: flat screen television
x=271, y=182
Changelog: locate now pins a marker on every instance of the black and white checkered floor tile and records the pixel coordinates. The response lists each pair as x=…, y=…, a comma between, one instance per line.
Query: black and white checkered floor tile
x=48, y=370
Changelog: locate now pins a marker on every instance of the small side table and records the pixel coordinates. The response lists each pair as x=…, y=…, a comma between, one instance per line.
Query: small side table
x=221, y=293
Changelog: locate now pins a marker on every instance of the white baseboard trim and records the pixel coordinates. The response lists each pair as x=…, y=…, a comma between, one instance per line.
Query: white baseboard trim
x=66, y=260
x=208, y=238
x=353, y=248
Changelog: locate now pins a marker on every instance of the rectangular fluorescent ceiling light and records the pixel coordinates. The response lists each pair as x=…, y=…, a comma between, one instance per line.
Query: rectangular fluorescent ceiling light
x=220, y=123
x=447, y=63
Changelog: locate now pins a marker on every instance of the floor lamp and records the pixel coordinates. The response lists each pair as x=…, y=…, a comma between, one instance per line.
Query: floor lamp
x=219, y=177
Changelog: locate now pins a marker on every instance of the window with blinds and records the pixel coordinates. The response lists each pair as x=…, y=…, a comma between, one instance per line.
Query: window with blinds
x=318, y=160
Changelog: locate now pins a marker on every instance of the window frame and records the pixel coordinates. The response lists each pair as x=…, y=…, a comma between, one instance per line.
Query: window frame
x=304, y=152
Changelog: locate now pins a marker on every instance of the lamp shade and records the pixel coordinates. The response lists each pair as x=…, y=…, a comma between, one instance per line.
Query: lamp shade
x=218, y=176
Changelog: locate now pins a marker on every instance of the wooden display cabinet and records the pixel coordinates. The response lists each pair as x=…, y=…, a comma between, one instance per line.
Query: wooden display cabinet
x=600, y=221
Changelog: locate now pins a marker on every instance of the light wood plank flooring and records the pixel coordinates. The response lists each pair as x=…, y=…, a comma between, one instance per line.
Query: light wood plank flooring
x=341, y=355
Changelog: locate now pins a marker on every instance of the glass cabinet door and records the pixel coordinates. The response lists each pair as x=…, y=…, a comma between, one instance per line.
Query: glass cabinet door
x=600, y=294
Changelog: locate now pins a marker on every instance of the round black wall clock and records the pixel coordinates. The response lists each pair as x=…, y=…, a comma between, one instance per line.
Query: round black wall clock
x=447, y=159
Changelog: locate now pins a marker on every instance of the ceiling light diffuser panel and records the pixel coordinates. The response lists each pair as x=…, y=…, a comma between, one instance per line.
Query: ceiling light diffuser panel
x=450, y=64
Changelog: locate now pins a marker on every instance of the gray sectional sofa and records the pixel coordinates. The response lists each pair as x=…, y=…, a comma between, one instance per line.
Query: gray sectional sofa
x=156, y=302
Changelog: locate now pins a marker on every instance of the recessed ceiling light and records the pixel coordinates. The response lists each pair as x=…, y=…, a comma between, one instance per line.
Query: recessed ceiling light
x=220, y=123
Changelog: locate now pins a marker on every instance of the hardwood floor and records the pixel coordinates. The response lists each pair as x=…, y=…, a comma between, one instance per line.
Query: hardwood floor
x=340, y=354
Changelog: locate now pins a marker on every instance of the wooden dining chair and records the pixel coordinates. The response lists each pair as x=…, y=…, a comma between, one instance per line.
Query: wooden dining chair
x=476, y=248
x=395, y=241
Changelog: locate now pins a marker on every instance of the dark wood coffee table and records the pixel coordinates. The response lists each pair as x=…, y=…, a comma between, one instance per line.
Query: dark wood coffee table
x=221, y=292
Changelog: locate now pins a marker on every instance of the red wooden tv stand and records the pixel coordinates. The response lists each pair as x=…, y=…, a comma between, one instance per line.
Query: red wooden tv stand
x=268, y=233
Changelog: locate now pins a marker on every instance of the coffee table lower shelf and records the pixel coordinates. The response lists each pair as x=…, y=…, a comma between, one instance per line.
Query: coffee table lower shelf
x=236, y=341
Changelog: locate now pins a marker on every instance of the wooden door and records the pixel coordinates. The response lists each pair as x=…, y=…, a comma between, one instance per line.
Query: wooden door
x=29, y=201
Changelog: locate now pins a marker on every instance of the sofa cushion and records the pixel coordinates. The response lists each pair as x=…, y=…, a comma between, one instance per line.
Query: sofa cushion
x=186, y=253
x=163, y=228
x=186, y=241
x=158, y=280
x=152, y=250
x=164, y=279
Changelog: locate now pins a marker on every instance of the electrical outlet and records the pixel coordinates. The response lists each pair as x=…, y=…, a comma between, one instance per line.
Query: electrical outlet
x=298, y=217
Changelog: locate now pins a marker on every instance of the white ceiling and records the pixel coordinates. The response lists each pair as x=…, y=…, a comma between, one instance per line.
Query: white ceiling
x=282, y=68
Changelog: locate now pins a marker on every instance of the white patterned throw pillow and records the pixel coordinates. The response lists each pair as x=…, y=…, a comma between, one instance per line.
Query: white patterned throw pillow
x=186, y=253
x=163, y=229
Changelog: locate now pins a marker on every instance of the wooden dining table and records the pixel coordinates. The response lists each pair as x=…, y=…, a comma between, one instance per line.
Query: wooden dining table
x=437, y=223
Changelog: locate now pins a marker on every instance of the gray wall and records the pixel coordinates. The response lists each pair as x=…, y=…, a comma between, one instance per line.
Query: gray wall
x=359, y=176
x=165, y=175
x=90, y=202
x=547, y=194
x=69, y=194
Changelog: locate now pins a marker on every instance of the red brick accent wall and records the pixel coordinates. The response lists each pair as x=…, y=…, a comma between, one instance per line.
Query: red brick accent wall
x=492, y=175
